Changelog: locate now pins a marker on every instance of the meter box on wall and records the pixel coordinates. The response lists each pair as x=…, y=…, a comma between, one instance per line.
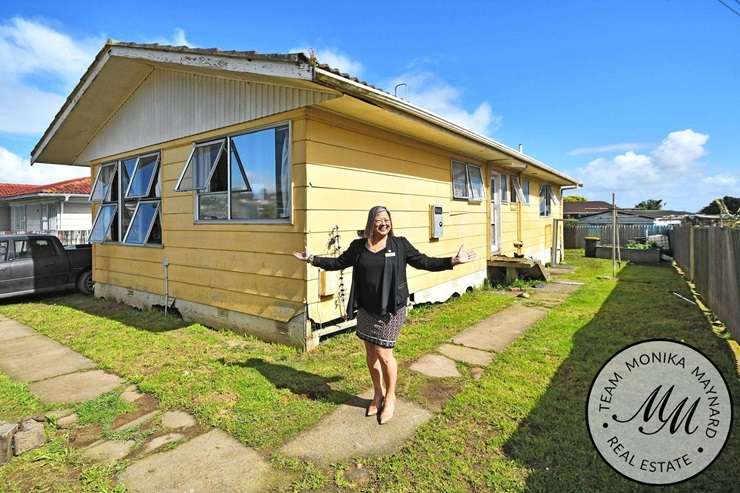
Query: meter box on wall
x=435, y=221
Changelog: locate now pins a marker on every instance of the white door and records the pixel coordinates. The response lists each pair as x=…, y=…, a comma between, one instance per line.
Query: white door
x=495, y=189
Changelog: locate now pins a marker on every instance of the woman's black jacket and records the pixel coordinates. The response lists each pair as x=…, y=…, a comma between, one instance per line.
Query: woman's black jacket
x=398, y=252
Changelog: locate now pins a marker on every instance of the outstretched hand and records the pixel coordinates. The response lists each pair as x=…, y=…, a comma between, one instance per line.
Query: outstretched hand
x=463, y=256
x=304, y=255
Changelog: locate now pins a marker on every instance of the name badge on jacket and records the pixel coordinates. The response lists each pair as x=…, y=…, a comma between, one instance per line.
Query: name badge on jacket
x=390, y=254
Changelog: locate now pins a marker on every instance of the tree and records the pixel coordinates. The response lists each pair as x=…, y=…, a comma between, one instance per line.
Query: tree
x=650, y=205
x=574, y=198
x=732, y=203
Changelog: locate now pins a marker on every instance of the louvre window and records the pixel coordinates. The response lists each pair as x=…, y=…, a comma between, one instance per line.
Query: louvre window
x=119, y=219
x=467, y=181
x=101, y=229
x=243, y=177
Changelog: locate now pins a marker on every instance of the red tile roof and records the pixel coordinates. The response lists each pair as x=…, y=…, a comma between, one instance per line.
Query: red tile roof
x=9, y=189
x=74, y=186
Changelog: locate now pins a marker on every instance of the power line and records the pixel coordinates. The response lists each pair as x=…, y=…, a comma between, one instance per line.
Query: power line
x=733, y=10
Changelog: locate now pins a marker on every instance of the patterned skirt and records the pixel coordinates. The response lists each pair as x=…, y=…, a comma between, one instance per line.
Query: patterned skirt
x=381, y=330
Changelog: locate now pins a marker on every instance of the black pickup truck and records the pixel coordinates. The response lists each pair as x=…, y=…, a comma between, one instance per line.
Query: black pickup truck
x=39, y=263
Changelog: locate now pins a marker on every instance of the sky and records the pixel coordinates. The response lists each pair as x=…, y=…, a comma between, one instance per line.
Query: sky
x=639, y=98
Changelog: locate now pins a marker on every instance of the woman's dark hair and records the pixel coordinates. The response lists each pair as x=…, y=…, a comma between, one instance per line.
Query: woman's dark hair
x=371, y=220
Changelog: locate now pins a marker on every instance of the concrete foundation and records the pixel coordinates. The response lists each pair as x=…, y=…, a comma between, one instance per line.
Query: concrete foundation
x=294, y=332
x=443, y=292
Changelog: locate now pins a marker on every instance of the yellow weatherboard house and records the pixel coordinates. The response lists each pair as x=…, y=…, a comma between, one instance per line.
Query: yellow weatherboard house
x=211, y=167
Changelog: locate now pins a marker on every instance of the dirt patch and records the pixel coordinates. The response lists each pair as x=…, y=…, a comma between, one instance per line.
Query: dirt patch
x=85, y=435
x=436, y=393
x=144, y=405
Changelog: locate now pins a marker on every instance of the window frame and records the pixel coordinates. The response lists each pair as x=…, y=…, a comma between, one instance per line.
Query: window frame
x=122, y=200
x=468, y=182
x=504, y=188
x=529, y=186
x=222, y=141
x=548, y=200
x=157, y=214
x=95, y=221
x=152, y=178
x=227, y=148
x=115, y=164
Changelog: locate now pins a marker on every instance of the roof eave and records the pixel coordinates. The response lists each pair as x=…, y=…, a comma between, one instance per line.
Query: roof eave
x=268, y=65
x=335, y=81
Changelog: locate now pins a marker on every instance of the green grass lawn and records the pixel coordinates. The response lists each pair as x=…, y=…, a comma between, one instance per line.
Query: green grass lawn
x=238, y=384
x=520, y=427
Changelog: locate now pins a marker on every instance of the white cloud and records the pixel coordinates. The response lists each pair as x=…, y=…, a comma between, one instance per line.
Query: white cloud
x=722, y=180
x=672, y=171
x=15, y=169
x=28, y=48
x=624, y=146
x=427, y=90
x=334, y=58
x=178, y=39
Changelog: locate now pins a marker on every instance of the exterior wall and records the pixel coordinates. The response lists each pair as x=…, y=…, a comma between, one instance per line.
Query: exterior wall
x=5, y=218
x=352, y=167
x=77, y=216
x=244, y=269
x=171, y=104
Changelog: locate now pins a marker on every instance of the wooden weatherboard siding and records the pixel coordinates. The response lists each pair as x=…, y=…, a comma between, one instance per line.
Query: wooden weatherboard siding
x=352, y=167
x=246, y=268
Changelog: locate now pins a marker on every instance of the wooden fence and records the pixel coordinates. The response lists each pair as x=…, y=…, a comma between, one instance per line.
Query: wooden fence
x=710, y=257
x=573, y=234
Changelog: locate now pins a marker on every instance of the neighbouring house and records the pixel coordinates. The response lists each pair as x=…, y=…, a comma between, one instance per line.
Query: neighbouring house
x=212, y=167
x=636, y=216
x=60, y=208
x=576, y=210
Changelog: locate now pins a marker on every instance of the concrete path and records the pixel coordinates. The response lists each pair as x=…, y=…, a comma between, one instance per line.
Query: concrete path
x=347, y=432
x=55, y=372
x=213, y=461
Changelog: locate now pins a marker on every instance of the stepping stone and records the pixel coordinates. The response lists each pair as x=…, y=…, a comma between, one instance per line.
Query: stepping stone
x=108, y=450
x=162, y=440
x=67, y=421
x=177, y=419
x=435, y=365
x=467, y=355
x=10, y=329
x=347, y=432
x=476, y=372
x=210, y=462
x=58, y=414
x=75, y=387
x=138, y=421
x=131, y=395
x=499, y=330
x=36, y=357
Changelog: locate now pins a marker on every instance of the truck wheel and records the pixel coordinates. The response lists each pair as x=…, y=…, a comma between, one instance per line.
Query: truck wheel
x=85, y=283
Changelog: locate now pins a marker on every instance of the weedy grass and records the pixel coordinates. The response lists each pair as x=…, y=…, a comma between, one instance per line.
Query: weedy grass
x=521, y=427
x=102, y=410
x=16, y=401
x=228, y=381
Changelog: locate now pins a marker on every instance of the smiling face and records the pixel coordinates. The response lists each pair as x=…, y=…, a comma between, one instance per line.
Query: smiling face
x=382, y=226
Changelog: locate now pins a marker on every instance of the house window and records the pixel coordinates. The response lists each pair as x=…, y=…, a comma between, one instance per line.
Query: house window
x=525, y=190
x=545, y=200
x=504, y=188
x=118, y=218
x=467, y=181
x=242, y=177
x=19, y=219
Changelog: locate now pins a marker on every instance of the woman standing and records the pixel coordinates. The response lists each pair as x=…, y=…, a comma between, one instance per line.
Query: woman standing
x=379, y=294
